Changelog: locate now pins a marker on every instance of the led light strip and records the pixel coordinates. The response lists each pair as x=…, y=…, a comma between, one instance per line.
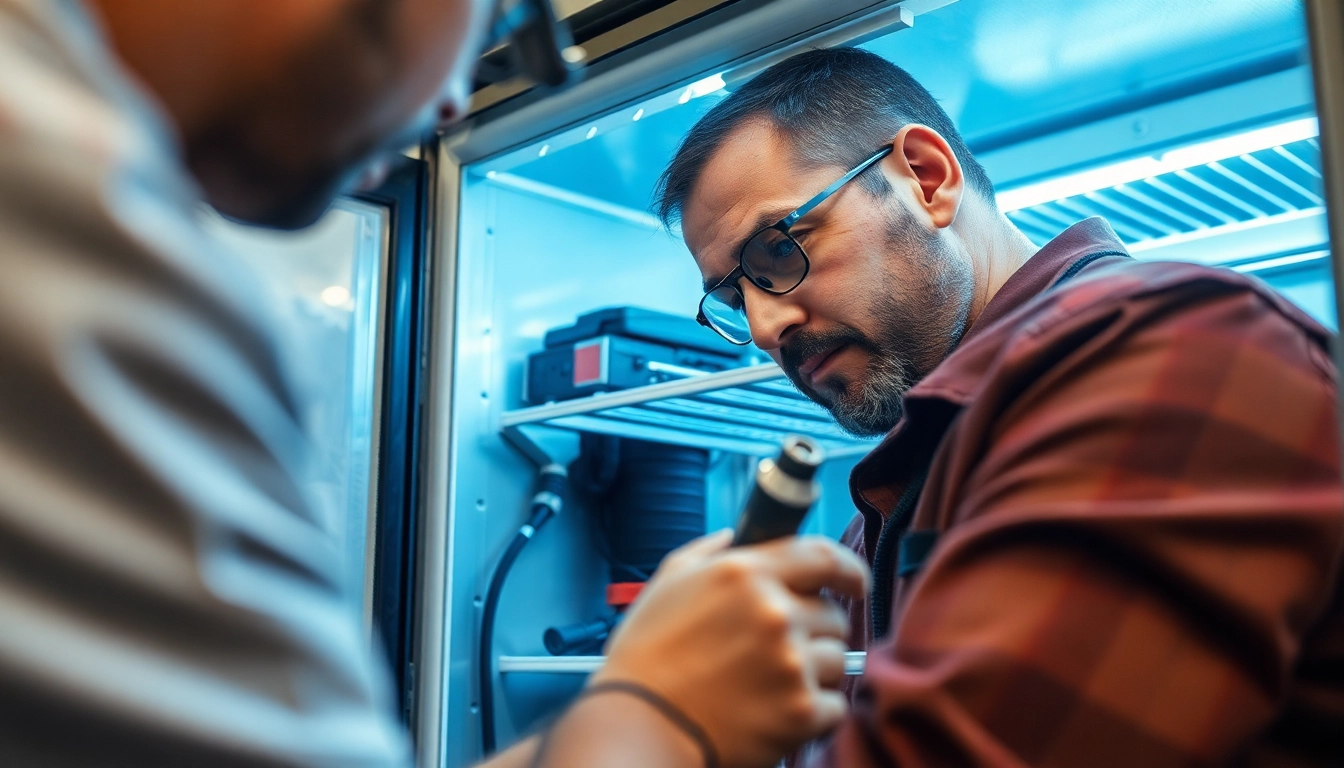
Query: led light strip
x=591, y=129
x=1143, y=168
x=1281, y=261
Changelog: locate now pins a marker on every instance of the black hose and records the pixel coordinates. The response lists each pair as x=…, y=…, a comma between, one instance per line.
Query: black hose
x=545, y=505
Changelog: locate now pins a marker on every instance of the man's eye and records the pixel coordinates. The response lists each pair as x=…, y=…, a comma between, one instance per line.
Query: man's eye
x=783, y=248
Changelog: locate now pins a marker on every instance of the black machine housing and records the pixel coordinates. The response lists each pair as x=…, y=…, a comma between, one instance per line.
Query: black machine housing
x=622, y=347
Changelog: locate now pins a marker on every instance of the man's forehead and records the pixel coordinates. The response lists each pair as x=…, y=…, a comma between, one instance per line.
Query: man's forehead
x=750, y=175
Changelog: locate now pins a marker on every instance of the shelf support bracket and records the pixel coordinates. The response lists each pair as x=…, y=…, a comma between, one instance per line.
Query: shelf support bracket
x=525, y=445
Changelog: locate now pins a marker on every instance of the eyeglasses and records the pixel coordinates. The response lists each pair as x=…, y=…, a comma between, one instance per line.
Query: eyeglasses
x=531, y=43
x=772, y=260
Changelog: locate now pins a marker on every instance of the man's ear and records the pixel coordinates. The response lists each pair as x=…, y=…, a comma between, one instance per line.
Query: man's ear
x=924, y=163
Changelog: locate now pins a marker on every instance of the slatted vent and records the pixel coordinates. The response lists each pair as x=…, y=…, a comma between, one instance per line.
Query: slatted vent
x=1278, y=181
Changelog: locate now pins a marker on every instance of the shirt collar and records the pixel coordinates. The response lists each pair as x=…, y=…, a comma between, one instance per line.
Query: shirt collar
x=932, y=404
x=958, y=376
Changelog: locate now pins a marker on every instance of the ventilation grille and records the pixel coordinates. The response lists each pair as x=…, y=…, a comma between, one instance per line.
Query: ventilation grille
x=1261, y=185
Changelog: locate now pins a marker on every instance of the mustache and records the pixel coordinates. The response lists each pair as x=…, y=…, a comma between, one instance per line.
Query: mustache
x=805, y=344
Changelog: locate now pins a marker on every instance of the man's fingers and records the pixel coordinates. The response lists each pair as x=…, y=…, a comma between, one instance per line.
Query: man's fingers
x=708, y=544
x=810, y=564
x=822, y=618
x=831, y=708
x=828, y=661
x=699, y=549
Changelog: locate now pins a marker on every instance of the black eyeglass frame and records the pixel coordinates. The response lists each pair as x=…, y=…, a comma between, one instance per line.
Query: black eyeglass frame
x=782, y=226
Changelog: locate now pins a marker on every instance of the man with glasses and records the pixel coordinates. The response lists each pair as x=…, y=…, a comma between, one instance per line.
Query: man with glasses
x=168, y=595
x=1105, y=524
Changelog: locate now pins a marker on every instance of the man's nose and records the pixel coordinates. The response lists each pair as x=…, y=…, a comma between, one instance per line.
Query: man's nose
x=771, y=317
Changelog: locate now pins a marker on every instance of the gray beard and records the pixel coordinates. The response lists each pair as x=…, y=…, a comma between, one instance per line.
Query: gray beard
x=918, y=326
x=878, y=402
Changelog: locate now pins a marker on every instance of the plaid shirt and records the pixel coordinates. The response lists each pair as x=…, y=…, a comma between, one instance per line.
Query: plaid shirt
x=1127, y=551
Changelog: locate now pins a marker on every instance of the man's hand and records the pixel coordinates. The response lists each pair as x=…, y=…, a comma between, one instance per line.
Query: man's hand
x=741, y=641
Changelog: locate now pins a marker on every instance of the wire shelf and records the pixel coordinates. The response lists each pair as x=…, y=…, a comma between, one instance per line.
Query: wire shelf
x=746, y=410
x=583, y=665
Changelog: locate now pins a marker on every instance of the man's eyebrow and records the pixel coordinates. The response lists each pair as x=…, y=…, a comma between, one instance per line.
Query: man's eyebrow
x=766, y=219
x=763, y=220
x=711, y=283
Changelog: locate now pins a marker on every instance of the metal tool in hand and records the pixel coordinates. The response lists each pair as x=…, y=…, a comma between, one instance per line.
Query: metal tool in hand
x=784, y=492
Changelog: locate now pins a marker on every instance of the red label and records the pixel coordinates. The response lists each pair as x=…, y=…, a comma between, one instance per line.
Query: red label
x=624, y=593
x=588, y=364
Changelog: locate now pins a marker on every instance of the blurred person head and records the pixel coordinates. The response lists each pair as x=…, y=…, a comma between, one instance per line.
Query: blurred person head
x=282, y=105
x=900, y=260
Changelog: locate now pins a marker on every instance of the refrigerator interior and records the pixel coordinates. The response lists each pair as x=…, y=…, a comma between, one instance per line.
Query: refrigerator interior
x=1189, y=125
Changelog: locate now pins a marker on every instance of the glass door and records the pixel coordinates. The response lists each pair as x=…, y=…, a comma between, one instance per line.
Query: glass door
x=346, y=297
x=327, y=287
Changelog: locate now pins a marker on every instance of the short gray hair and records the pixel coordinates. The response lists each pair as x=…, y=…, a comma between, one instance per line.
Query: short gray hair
x=836, y=106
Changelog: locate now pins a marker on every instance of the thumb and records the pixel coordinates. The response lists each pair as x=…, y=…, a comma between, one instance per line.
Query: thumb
x=698, y=549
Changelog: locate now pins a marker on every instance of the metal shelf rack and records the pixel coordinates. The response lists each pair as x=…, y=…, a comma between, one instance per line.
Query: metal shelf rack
x=745, y=410
x=582, y=665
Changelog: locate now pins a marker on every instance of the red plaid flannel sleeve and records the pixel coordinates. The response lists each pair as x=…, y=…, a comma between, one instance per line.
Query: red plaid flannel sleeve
x=1133, y=561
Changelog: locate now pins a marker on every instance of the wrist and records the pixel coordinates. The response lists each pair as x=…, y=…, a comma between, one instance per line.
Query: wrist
x=609, y=727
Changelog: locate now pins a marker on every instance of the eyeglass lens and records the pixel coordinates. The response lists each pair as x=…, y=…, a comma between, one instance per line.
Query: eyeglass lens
x=775, y=263
x=723, y=309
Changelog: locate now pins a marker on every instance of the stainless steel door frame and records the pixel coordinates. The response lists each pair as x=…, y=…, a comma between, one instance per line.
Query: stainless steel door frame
x=743, y=36
x=1325, y=22
x=434, y=573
